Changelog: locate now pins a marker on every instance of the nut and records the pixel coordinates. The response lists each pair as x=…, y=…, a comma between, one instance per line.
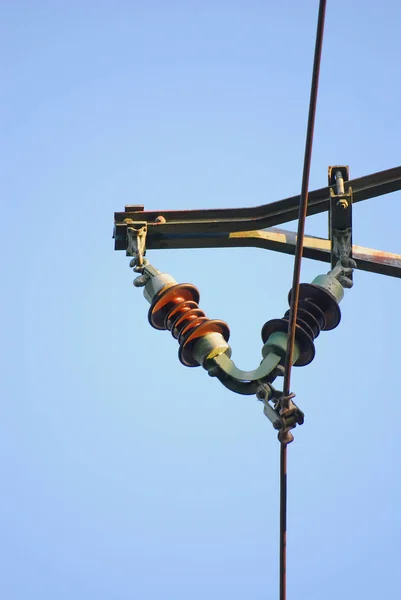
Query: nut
x=343, y=203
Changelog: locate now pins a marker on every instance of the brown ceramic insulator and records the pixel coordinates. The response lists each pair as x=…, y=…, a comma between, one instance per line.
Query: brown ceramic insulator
x=168, y=299
x=317, y=310
x=176, y=309
x=186, y=320
x=326, y=303
x=177, y=314
x=302, y=336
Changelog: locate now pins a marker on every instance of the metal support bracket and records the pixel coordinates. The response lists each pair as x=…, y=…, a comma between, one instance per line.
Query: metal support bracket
x=255, y=226
x=136, y=240
x=340, y=219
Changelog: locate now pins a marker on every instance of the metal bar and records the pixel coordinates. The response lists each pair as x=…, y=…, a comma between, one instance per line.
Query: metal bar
x=281, y=240
x=255, y=217
x=340, y=219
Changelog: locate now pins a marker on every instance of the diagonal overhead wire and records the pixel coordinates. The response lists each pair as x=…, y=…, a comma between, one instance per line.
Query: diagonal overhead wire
x=303, y=206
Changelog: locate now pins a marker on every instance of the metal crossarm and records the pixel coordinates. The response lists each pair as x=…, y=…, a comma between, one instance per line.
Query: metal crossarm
x=255, y=217
x=228, y=228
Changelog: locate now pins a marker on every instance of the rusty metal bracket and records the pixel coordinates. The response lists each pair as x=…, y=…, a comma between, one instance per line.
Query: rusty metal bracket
x=246, y=227
x=225, y=220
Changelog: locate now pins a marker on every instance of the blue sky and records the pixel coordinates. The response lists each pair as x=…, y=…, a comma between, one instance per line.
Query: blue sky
x=124, y=474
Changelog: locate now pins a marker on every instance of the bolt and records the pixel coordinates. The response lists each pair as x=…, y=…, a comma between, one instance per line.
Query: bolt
x=343, y=203
x=160, y=219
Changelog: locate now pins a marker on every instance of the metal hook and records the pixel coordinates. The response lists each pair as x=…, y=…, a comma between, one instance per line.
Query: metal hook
x=136, y=240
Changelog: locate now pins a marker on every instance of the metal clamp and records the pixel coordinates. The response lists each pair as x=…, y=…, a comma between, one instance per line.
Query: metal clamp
x=340, y=220
x=284, y=414
x=147, y=272
x=343, y=273
x=136, y=240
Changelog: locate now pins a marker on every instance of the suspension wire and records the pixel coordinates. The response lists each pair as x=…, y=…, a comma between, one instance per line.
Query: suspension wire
x=283, y=521
x=303, y=206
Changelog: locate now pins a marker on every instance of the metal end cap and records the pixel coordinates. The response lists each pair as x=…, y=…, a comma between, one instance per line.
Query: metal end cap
x=186, y=350
x=209, y=346
x=156, y=284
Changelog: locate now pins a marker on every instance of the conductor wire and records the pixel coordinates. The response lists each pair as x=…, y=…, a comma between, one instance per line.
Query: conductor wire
x=303, y=207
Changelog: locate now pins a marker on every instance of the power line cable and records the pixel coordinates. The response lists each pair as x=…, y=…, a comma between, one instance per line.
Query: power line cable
x=303, y=206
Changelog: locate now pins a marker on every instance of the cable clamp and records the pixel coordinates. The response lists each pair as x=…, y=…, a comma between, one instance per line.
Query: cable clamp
x=281, y=411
